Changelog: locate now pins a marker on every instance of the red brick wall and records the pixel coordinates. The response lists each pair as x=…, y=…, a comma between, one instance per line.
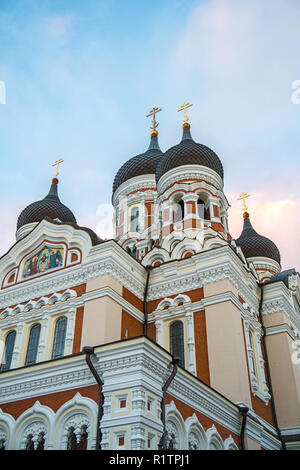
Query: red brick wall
x=78, y=330
x=53, y=400
x=201, y=352
x=131, y=324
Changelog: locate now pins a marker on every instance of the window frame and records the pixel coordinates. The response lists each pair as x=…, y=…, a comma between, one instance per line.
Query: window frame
x=31, y=339
x=62, y=343
x=3, y=366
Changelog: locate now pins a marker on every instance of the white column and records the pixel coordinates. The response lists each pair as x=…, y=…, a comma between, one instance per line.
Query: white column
x=159, y=332
x=190, y=340
x=43, y=338
x=70, y=331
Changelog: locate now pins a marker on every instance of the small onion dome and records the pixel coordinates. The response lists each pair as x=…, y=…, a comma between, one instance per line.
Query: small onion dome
x=254, y=245
x=189, y=152
x=143, y=164
x=50, y=206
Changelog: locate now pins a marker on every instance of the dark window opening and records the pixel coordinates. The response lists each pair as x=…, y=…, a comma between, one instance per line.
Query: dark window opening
x=40, y=441
x=29, y=445
x=134, y=220
x=8, y=351
x=177, y=341
x=203, y=213
x=178, y=211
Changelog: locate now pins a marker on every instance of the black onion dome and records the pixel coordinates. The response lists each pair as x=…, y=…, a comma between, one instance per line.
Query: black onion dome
x=50, y=207
x=189, y=152
x=254, y=245
x=143, y=164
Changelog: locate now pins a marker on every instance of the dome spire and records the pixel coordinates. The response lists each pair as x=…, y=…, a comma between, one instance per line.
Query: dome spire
x=186, y=126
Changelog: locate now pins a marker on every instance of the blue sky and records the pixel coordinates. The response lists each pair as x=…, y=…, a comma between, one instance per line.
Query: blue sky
x=80, y=77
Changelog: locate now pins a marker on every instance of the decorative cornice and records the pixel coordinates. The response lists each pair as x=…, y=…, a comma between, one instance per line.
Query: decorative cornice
x=134, y=184
x=278, y=298
x=189, y=172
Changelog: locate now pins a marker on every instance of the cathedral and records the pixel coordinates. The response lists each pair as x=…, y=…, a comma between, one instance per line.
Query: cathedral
x=170, y=336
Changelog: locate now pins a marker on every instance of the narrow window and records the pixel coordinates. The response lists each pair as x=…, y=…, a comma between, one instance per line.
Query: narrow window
x=134, y=219
x=202, y=211
x=178, y=212
x=177, y=341
x=33, y=344
x=8, y=352
x=59, y=338
x=254, y=357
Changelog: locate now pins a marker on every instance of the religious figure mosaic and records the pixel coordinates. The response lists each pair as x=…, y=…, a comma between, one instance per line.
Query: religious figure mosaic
x=45, y=260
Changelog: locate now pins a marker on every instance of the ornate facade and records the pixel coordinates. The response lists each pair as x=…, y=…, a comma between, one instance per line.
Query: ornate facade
x=194, y=335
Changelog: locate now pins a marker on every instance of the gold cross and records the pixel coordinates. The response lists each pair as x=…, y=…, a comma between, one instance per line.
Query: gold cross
x=242, y=197
x=58, y=161
x=184, y=108
x=152, y=113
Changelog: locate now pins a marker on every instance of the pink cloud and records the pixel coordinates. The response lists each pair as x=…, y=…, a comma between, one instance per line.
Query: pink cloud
x=276, y=220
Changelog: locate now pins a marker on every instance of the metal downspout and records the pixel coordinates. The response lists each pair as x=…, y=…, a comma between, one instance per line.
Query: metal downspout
x=244, y=411
x=89, y=351
x=268, y=366
x=175, y=362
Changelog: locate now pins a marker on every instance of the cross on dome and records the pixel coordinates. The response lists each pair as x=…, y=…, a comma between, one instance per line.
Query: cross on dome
x=57, y=163
x=184, y=108
x=155, y=124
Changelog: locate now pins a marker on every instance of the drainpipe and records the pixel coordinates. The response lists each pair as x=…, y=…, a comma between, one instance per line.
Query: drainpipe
x=268, y=367
x=244, y=411
x=145, y=326
x=162, y=444
x=89, y=351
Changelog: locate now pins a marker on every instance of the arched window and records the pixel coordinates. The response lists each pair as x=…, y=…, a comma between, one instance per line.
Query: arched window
x=59, y=337
x=33, y=345
x=178, y=211
x=177, y=341
x=203, y=213
x=134, y=219
x=8, y=352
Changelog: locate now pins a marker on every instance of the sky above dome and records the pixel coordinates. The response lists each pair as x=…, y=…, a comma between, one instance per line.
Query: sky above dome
x=80, y=77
